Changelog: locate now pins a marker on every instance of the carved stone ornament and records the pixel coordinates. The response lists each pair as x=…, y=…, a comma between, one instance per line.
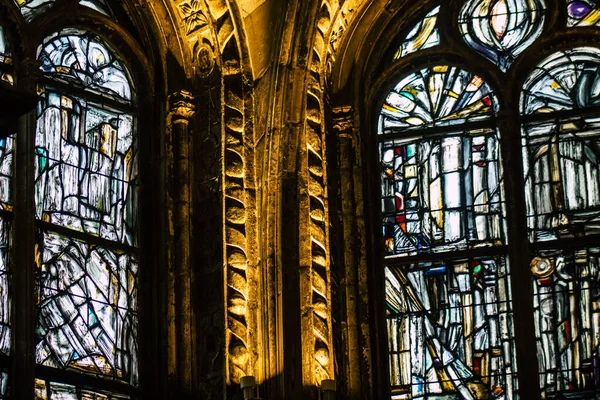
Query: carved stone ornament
x=182, y=106
x=343, y=121
x=193, y=15
x=205, y=60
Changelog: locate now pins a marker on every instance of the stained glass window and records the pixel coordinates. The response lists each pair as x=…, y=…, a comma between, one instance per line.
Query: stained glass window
x=560, y=155
x=567, y=319
x=5, y=59
x=32, y=8
x=80, y=58
x=582, y=13
x=86, y=310
x=500, y=30
x=48, y=390
x=436, y=96
x=86, y=189
x=423, y=36
x=562, y=188
x=449, y=321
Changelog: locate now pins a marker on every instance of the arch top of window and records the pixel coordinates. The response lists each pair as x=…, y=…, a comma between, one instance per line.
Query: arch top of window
x=30, y=9
x=81, y=58
x=566, y=80
x=438, y=96
x=423, y=35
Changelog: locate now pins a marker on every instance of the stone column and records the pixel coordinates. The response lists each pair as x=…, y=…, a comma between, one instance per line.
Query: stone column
x=521, y=285
x=23, y=250
x=342, y=127
x=181, y=111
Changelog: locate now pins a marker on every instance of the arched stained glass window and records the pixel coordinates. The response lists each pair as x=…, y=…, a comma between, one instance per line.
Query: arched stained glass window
x=423, y=36
x=500, y=30
x=32, y=8
x=582, y=13
x=562, y=185
x=86, y=185
x=449, y=316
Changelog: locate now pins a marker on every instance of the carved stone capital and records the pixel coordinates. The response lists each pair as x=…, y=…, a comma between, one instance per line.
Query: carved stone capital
x=343, y=121
x=182, y=107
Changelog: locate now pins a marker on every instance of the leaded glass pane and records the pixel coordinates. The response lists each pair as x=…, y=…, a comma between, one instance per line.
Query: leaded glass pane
x=582, y=13
x=442, y=193
x=5, y=302
x=6, y=166
x=436, y=96
x=86, y=167
x=566, y=287
x=48, y=390
x=4, y=48
x=566, y=80
x=562, y=178
x=423, y=36
x=450, y=330
x=82, y=59
x=500, y=30
x=87, y=299
x=32, y=8
x=98, y=5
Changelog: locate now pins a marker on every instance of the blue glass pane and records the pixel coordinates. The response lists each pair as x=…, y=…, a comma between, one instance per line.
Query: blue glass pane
x=450, y=330
x=500, y=30
x=424, y=35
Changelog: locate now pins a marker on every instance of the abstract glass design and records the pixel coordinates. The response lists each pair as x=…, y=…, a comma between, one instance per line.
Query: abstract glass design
x=423, y=36
x=82, y=59
x=561, y=162
x=564, y=81
x=85, y=183
x=98, y=5
x=450, y=330
x=48, y=390
x=33, y=8
x=4, y=48
x=442, y=193
x=6, y=172
x=5, y=59
x=85, y=167
x=87, y=296
x=566, y=287
x=582, y=13
x=560, y=155
x=500, y=30
x=5, y=303
x=436, y=96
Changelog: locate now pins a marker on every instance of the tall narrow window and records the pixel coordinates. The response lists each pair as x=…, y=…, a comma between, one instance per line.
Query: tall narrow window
x=86, y=186
x=6, y=217
x=449, y=314
x=561, y=158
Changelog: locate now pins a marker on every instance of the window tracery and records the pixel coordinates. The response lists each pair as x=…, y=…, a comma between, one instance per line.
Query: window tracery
x=445, y=242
